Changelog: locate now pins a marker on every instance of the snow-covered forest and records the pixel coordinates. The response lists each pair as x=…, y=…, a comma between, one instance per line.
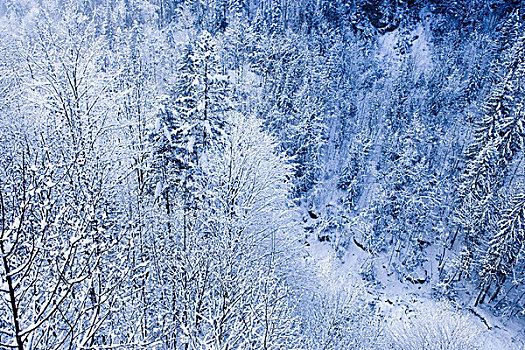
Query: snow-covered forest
x=262, y=174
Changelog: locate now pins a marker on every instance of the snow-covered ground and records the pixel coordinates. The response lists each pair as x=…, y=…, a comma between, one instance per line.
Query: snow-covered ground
x=401, y=305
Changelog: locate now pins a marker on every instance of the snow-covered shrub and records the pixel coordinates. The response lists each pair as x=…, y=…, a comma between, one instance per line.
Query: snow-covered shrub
x=436, y=326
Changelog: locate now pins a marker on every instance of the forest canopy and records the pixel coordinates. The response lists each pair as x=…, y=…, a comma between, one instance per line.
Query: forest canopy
x=262, y=174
